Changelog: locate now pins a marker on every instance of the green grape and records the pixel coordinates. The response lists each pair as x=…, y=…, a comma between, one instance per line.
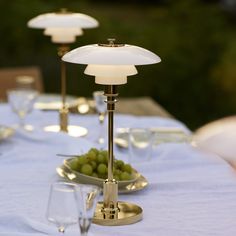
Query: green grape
x=117, y=172
x=93, y=164
x=95, y=150
x=74, y=164
x=127, y=168
x=82, y=160
x=119, y=164
x=92, y=155
x=116, y=177
x=86, y=169
x=102, y=168
x=94, y=174
x=125, y=176
x=105, y=154
x=101, y=158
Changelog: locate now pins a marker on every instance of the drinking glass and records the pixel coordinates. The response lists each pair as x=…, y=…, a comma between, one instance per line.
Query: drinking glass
x=22, y=102
x=140, y=145
x=87, y=197
x=62, y=210
x=100, y=105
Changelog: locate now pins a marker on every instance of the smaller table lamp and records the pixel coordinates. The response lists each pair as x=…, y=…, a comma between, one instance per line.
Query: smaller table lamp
x=111, y=64
x=64, y=27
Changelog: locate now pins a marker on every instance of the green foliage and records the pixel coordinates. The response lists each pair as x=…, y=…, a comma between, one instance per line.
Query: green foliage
x=196, y=41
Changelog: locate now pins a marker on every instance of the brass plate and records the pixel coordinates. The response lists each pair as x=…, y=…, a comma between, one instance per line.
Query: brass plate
x=140, y=183
x=73, y=130
x=86, y=179
x=5, y=132
x=129, y=214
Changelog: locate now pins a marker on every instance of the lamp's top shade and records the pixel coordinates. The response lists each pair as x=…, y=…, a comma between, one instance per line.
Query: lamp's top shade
x=104, y=55
x=62, y=20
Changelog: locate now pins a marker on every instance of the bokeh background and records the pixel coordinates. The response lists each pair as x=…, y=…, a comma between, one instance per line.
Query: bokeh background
x=196, y=39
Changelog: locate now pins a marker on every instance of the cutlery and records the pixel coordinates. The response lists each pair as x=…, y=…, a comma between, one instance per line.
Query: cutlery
x=67, y=155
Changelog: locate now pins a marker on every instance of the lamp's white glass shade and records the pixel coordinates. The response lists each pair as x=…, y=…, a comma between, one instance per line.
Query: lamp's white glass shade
x=63, y=35
x=110, y=74
x=105, y=55
x=62, y=20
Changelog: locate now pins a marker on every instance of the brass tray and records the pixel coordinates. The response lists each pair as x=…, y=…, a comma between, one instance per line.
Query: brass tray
x=139, y=184
x=5, y=132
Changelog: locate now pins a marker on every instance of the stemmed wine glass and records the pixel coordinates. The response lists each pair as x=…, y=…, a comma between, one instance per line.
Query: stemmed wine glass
x=100, y=105
x=62, y=207
x=22, y=102
x=87, y=197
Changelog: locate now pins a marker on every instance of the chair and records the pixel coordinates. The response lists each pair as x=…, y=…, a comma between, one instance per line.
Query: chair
x=8, y=78
x=218, y=137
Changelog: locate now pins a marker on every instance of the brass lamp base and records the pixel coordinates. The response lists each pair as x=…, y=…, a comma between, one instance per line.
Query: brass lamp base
x=72, y=130
x=129, y=213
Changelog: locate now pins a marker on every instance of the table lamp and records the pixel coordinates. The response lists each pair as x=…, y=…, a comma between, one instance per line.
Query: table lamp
x=111, y=64
x=64, y=27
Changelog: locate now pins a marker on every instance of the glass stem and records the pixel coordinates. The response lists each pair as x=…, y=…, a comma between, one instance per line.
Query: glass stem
x=84, y=226
x=22, y=121
x=83, y=232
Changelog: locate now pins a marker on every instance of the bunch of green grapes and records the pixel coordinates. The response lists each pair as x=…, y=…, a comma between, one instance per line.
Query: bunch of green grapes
x=94, y=163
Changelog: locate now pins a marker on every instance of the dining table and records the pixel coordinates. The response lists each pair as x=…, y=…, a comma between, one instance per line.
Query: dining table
x=190, y=192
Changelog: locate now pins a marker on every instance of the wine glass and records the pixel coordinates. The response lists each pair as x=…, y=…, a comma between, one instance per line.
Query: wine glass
x=22, y=102
x=62, y=208
x=100, y=105
x=86, y=197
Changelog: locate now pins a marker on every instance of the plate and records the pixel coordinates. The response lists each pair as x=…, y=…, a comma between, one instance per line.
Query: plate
x=160, y=135
x=5, y=132
x=53, y=101
x=138, y=184
x=86, y=179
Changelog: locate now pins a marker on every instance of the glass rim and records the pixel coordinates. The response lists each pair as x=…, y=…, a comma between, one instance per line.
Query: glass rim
x=87, y=186
x=98, y=92
x=17, y=90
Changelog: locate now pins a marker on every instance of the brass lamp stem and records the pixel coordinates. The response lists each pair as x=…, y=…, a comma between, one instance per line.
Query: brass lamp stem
x=110, y=92
x=110, y=187
x=62, y=50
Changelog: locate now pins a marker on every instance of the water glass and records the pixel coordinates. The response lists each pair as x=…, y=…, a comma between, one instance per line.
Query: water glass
x=140, y=145
x=87, y=197
x=22, y=102
x=62, y=210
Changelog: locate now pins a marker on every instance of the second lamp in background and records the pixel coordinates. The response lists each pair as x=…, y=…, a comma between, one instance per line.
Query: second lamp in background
x=64, y=27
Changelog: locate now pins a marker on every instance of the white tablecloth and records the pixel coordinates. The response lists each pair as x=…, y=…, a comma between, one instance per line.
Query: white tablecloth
x=189, y=193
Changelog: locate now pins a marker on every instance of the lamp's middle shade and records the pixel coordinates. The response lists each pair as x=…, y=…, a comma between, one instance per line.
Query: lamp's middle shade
x=110, y=74
x=63, y=35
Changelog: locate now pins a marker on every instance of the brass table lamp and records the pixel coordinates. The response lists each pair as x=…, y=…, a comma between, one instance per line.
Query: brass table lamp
x=63, y=27
x=111, y=64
